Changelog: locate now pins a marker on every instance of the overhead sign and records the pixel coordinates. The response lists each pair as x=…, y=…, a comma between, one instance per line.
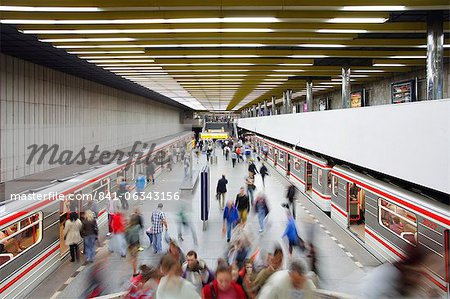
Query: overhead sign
x=214, y=135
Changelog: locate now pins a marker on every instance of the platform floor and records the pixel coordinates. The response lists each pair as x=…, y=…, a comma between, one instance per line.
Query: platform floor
x=343, y=261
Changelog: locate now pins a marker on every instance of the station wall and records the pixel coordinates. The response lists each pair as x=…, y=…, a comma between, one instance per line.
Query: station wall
x=410, y=141
x=39, y=105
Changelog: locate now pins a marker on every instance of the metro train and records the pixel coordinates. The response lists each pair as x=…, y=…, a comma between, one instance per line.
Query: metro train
x=32, y=240
x=382, y=216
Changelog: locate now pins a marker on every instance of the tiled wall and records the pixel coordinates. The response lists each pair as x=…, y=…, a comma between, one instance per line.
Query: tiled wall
x=40, y=105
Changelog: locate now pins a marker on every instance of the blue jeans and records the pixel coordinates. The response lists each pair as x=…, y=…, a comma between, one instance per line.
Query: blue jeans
x=89, y=247
x=157, y=245
x=261, y=217
x=230, y=226
x=250, y=194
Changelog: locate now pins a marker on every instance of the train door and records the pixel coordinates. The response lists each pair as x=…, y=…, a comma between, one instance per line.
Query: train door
x=288, y=164
x=308, y=177
x=356, y=209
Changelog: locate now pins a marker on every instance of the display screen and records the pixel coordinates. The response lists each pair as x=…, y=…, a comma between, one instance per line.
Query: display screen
x=403, y=92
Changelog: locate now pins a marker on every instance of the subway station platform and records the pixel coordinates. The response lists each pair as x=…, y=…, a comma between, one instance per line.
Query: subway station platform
x=342, y=261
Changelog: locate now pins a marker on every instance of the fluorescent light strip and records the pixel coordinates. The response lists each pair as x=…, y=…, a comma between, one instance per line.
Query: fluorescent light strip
x=145, y=21
x=86, y=39
x=341, y=31
x=119, y=60
x=322, y=46
x=308, y=56
x=367, y=71
x=288, y=70
x=409, y=57
x=173, y=30
x=358, y=20
x=374, y=8
x=205, y=75
x=295, y=64
x=280, y=75
x=205, y=45
x=389, y=64
x=48, y=8
x=106, y=52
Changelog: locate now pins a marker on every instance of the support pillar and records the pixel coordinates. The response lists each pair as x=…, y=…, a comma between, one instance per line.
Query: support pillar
x=345, y=87
x=309, y=95
x=435, y=55
x=259, y=109
x=274, y=111
x=254, y=111
x=265, y=108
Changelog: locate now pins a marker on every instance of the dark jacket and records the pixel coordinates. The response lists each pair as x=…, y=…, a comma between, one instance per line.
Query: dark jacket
x=263, y=170
x=252, y=168
x=222, y=185
x=291, y=193
x=89, y=228
x=242, y=202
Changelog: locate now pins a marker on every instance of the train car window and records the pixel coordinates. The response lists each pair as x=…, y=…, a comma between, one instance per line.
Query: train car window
x=319, y=176
x=401, y=222
x=335, y=185
x=297, y=165
x=281, y=156
x=19, y=237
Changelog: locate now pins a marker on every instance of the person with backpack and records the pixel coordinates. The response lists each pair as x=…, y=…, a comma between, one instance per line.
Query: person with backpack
x=230, y=218
x=290, y=195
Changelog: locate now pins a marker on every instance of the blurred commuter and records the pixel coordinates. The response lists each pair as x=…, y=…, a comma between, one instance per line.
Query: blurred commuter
x=262, y=210
x=223, y=285
x=290, y=195
x=144, y=285
x=150, y=172
x=292, y=283
x=233, y=158
x=226, y=150
x=158, y=222
x=263, y=171
x=196, y=271
x=252, y=168
x=118, y=243
x=96, y=282
x=122, y=193
x=230, y=218
x=291, y=233
x=250, y=183
x=222, y=191
x=172, y=285
x=89, y=232
x=112, y=207
x=246, y=278
x=132, y=236
x=275, y=263
x=72, y=235
x=176, y=252
x=243, y=205
x=140, y=184
x=183, y=222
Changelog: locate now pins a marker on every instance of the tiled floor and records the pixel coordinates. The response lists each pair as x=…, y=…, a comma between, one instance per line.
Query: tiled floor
x=342, y=260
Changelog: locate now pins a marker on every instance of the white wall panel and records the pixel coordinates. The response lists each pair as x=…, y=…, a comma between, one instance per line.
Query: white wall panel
x=409, y=141
x=39, y=105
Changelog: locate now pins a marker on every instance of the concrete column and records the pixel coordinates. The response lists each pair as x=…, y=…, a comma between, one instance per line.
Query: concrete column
x=259, y=109
x=289, y=101
x=345, y=87
x=435, y=55
x=309, y=94
x=254, y=111
x=265, y=108
x=274, y=112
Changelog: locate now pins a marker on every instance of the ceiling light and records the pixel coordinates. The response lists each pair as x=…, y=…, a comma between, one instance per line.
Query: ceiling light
x=367, y=71
x=389, y=64
x=374, y=8
x=119, y=60
x=358, y=20
x=205, y=46
x=207, y=75
x=288, y=70
x=341, y=31
x=146, y=21
x=331, y=83
x=308, y=56
x=105, y=52
x=408, y=57
x=76, y=40
x=280, y=75
x=295, y=64
x=322, y=46
x=168, y=30
x=48, y=8
x=324, y=86
x=116, y=57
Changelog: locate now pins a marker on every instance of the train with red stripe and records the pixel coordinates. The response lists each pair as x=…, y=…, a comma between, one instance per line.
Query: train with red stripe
x=382, y=216
x=31, y=231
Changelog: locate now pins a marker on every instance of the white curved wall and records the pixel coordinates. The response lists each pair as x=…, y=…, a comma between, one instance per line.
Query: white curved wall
x=410, y=141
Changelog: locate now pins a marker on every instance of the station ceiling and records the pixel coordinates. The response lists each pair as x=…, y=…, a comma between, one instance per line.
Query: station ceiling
x=228, y=55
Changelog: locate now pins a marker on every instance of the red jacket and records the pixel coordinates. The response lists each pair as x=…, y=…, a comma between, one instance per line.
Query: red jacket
x=117, y=224
x=207, y=294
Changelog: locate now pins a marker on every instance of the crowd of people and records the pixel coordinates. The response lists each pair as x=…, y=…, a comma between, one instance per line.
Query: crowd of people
x=243, y=271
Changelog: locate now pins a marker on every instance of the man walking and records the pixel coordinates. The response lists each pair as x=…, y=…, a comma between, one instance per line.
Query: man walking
x=221, y=191
x=263, y=171
x=291, y=199
x=158, y=221
x=243, y=205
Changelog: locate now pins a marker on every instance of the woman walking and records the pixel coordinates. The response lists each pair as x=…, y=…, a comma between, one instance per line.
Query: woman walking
x=72, y=235
x=90, y=232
